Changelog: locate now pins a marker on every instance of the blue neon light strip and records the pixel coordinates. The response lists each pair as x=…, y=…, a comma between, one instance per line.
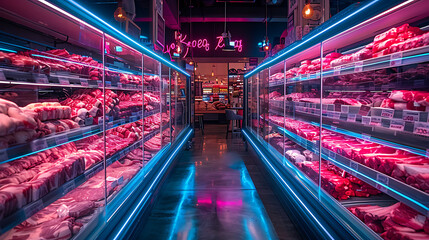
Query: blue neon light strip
x=137, y=180
x=285, y=184
x=110, y=27
x=182, y=200
x=155, y=180
x=8, y=50
x=324, y=28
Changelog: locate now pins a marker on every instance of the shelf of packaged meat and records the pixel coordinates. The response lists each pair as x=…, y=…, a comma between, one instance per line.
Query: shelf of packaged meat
x=355, y=111
x=394, y=221
x=401, y=46
x=40, y=181
x=378, y=211
x=79, y=199
x=56, y=123
x=395, y=172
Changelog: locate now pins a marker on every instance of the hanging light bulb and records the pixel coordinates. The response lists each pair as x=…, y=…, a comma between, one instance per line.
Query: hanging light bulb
x=120, y=14
x=307, y=11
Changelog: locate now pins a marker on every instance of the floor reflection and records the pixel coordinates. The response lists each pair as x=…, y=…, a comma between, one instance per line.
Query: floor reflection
x=210, y=195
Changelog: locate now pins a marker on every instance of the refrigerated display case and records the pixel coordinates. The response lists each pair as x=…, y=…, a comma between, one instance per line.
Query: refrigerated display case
x=87, y=122
x=346, y=119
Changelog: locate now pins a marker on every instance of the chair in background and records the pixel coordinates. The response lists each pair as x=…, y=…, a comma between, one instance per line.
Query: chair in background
x=200, y=119
x=232, y=117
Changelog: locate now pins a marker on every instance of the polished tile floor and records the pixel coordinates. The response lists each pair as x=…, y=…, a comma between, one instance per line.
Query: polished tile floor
x=210, y=195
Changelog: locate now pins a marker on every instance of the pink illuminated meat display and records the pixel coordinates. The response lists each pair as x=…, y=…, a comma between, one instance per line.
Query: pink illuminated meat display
x=397, y=221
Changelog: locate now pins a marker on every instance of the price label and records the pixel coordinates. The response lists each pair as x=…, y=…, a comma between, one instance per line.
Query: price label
x=419, y=83
x=337, y=70
x=33, y=208
x=359, y=66
x=410, y=116
x=100, y=121
x=385, y=87
x=351, y=117
x=355, y=167
x=364, y=110
x=108, y=83
x=89, y=121
x=396, y=59
x=60, y=139
x=68, y=187
x=332, y=154
x=63, y=81
x=421, y=128
x=119, y=85
x=384, y=182
x=3, y=155
x=133, y=118
x=336, y=115
x=38, y=145
x=121, y=180
x=89, y=174
x=84, y=83
x=100, y=83
x=41, y=78
x=366, y=120
x=375, y=121
x=397, y=125
x=2, y=76
x=387, y=113
x=330, y=114
x=366, y=136
x=345, y=108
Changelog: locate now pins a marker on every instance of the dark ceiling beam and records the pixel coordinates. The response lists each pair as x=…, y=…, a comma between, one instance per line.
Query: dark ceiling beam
x=232, y=19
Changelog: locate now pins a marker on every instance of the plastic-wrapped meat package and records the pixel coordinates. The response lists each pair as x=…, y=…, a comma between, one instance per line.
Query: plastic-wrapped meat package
x=390, y=34
x=342, y=60
x=379, y=46
x=362, y=54
x=381, y=53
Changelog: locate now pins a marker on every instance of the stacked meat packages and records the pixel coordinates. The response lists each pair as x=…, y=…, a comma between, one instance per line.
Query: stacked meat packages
x=64, y=218
x=20, y=125
x=405, y=166
x=60, y=60
x=130, y=103
x=397, y=221
x=394, y=40
x=30, y=178
x=16, y=126
x=85, y=103
x=411, y=100
x=154, y=144
x=151, y=101
x=155, y=121
x=335, y=181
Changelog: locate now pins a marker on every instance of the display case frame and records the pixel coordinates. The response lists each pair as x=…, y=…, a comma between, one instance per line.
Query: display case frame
x=120, y=67
x=346, y=122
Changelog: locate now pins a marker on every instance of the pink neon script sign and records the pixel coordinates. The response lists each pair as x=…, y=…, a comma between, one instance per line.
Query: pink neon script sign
x=201, y=44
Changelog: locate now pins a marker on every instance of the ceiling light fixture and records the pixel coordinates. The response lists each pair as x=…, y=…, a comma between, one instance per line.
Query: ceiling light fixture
x=229, y=45
x=307, y=11
x=265, y=45
x=120, y=14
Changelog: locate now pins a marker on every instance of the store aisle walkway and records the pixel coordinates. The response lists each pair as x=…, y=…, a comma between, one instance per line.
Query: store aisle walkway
x=210, y=195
